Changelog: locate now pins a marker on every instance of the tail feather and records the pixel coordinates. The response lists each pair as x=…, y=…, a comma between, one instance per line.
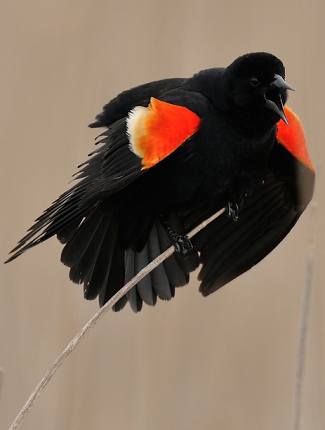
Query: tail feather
x=132, y=295
x=174, y=272
x=145, y=287
x=104, y=250
x=102, y=266
x=159, y=277
x=115, y=280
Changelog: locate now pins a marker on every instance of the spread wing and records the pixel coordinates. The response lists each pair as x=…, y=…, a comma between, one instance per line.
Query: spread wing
x=128, y=148
x=229, y=248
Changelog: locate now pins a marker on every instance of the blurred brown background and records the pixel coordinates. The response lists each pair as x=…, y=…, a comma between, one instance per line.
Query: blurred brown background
x=225, y=362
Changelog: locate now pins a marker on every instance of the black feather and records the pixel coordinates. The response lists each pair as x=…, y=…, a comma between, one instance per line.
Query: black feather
x=109, y=220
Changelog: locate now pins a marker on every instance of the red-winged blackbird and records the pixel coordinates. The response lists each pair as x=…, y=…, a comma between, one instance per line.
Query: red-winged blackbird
x=174, y=152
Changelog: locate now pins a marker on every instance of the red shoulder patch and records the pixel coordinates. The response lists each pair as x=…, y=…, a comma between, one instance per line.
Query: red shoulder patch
x=292, y=137
x=157, y=130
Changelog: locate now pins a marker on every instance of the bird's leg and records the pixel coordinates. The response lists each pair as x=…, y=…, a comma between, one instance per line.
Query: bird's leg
x=183, y=245
x=232, y=211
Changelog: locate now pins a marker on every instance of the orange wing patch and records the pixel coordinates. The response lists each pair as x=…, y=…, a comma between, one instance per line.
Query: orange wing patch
x=292, y=137
x=156, y=131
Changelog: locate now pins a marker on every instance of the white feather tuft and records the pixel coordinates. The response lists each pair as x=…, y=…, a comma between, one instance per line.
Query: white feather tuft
x=136, y=127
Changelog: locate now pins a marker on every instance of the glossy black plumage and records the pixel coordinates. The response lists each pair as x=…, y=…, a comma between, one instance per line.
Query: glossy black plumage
x=110, y=220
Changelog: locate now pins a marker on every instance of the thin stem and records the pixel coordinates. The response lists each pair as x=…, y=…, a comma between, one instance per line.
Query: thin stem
x=77, y=338
x=305, y=307
x=1, y=380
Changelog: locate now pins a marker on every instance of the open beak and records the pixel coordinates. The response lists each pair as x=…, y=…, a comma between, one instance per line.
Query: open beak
x=280, y=83
x=271, y=105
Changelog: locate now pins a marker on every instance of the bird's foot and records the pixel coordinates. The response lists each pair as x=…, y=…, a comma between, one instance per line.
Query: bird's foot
x=183, y=245
x=232, y=211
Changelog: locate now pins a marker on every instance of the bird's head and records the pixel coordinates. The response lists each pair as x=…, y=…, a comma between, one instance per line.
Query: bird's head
x=257, y=89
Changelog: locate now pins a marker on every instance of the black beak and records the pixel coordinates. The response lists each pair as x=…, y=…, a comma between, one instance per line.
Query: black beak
x=280, y=83
x=271, y=105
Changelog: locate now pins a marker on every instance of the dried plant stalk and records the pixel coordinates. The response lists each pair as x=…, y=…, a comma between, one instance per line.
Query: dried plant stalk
x=77, y=338
x=302, y=342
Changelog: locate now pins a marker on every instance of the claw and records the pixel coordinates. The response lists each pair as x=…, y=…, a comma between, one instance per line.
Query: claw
x=232, y=211
x=183, y=245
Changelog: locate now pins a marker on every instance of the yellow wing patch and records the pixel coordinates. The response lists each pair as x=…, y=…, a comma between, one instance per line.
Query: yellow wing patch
x=157, y=130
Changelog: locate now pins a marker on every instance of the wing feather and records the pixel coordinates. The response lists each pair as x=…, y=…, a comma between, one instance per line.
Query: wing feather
x=228, y=249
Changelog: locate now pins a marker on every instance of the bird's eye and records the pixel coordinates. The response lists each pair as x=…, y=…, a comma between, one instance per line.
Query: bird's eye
x=254, y=81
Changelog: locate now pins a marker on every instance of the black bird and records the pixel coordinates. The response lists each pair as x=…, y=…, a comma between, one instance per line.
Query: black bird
x=174, y=152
